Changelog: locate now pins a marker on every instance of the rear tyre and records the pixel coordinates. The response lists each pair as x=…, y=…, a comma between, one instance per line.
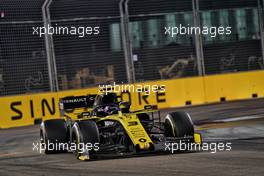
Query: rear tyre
x=53, y=133
x=85, y=133
x=178, y=124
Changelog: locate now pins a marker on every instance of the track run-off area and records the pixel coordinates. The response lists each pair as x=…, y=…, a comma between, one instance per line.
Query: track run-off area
x=241, y=123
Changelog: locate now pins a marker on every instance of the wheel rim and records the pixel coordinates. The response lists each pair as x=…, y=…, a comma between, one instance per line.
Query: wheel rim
x=76, y=143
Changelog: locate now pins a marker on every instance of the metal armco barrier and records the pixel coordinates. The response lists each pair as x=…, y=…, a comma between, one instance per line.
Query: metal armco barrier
x=30, y=109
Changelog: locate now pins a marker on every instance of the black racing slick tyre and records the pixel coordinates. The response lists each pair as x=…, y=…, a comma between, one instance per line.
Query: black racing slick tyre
x=178, y=124
x=85, y=135
x=53, y=136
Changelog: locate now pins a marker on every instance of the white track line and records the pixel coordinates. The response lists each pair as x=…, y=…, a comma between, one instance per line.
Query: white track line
x=240, y=118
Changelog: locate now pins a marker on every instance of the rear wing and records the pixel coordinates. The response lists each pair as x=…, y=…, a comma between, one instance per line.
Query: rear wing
x=72, y=102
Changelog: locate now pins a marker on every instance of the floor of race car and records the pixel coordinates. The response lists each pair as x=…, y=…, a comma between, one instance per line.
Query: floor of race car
x=241, y=123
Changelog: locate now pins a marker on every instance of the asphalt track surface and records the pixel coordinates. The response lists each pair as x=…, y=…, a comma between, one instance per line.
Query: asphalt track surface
x=245, y=158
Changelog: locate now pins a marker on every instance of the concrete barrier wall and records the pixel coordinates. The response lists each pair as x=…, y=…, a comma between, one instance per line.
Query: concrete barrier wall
x=29, y=109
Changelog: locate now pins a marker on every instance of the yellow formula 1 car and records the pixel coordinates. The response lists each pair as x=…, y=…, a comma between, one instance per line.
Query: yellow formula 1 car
x=98, y=126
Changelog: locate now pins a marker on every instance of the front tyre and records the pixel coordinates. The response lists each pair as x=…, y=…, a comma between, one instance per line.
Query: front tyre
x=85, y=136
x=53, y=133
x=179, y=125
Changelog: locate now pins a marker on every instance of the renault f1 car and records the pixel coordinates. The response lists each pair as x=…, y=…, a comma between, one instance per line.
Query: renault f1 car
x=106, y=127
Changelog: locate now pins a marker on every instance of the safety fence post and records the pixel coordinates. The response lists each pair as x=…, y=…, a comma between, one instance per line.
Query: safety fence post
x=198, y=38
x=261, y=27
x=126, y=40
x=52, y=70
